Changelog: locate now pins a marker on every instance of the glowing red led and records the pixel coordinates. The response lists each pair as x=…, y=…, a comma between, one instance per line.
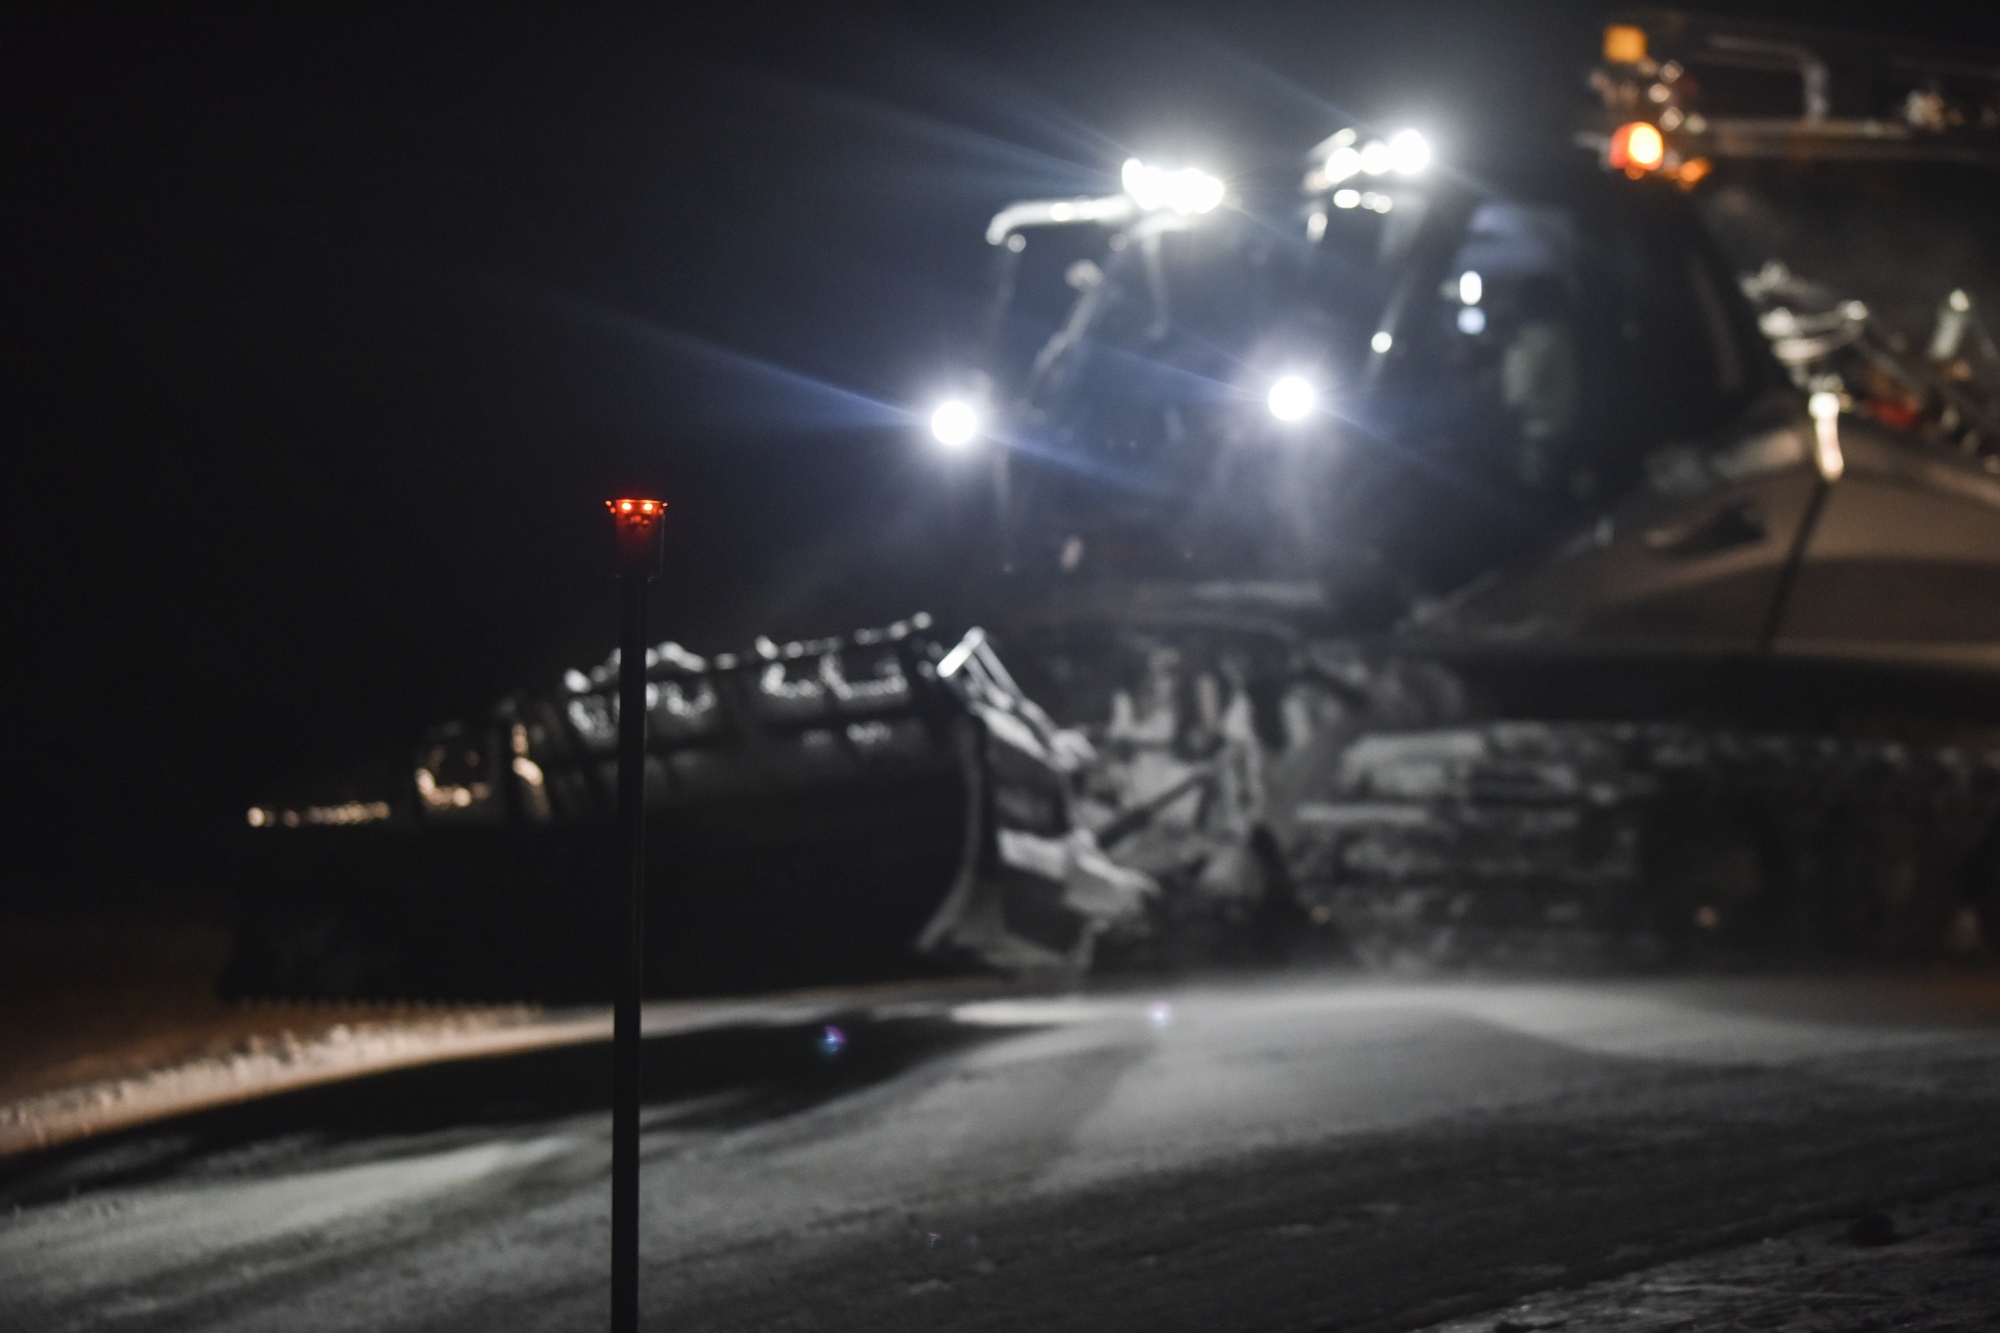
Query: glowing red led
x=636, y=509
x=638, y=524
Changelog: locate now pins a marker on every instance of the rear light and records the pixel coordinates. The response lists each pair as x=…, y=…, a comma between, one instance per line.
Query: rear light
x=1637, y=147
x=1624, y=44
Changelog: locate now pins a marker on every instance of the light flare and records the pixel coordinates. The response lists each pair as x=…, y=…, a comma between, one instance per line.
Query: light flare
x=955, y=423
x=1292, y=398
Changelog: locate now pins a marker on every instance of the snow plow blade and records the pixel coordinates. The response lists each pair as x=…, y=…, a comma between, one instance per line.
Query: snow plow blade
x=835, y=811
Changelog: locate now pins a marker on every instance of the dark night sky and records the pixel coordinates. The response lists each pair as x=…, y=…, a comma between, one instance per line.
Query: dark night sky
x=331, y=328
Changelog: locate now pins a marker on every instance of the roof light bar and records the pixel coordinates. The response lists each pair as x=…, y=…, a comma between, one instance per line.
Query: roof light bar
x=1186, y=191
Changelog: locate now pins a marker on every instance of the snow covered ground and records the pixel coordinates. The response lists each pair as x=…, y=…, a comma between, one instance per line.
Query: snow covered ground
x=1303, y=1152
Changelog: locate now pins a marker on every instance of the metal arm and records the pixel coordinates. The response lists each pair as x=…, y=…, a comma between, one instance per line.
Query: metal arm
x=1058, y=212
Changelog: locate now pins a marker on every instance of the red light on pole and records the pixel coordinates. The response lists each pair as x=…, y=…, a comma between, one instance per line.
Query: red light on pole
x=639, y=524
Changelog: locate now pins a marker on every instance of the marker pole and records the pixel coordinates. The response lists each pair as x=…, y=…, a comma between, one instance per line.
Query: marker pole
x=639, y=523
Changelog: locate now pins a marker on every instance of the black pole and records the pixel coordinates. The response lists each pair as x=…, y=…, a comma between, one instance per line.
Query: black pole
x=638, y=523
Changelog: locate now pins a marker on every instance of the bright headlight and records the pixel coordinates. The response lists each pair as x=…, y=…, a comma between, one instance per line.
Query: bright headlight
x=1406, y=152
x=1409, y=153
x=1292, y=398
x=955, y=423
x=1183, y=191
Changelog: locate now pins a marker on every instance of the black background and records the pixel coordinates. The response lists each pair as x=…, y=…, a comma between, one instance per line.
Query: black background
x=330, y=330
